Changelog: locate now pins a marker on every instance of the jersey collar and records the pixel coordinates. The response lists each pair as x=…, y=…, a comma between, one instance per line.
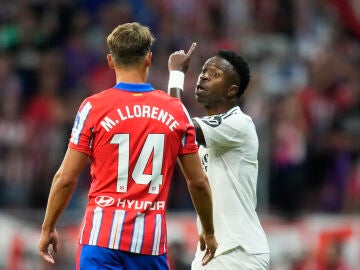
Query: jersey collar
x=134, y=87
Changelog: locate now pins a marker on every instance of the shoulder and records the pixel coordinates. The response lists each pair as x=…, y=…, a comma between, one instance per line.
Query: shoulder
x=167, y=100
x=164, y=95
x=234, y=123
x=103, y=94
x=103, y=97
x=237, y=117
x=232, y=117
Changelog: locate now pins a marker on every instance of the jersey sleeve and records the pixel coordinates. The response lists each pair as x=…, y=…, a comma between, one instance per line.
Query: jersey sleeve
x=188, y=142
x=81, y=134
x=222, y=131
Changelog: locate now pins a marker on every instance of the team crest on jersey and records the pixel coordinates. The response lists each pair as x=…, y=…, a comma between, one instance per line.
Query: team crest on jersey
x=104, y=201
x=212, y=121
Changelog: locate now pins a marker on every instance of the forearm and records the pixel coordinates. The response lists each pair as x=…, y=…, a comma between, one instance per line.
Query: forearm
x=63, y=186
x=176, y=83
x=59, y=198
x=199, y=189
x=202, y=200
x=175, y=92
x=178, y=64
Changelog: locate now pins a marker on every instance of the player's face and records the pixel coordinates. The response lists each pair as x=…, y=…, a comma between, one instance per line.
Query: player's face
x=214, y=82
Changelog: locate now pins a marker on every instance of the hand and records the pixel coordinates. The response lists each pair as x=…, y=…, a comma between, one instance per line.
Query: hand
x=47, y=239
x=209, y=244
x=179, y=60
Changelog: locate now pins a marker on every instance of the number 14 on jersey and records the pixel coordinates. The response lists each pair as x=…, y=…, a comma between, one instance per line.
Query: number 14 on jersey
x=154, y=144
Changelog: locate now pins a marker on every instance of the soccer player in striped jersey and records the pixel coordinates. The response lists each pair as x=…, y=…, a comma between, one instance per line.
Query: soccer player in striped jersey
x=133, y=135
x=228, y=151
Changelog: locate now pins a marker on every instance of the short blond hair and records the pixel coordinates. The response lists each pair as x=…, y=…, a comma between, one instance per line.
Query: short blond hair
x=128, y=43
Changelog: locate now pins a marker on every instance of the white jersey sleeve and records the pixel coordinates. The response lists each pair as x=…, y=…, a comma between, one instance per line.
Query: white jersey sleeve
x=233, y=129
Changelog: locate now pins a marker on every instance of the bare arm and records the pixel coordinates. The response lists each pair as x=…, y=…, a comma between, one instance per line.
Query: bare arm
x=63, y=186
x=190, y=165
x=175, y=92
x=179, y=61
x=199, y=134
x=200, y=192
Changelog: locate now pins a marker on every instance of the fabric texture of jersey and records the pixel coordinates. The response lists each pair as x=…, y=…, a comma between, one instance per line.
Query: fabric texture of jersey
x=230, y=161
x=235, y=258
x=133, y=135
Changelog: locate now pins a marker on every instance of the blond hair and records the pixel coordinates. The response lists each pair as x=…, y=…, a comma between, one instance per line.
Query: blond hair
x=128, y=43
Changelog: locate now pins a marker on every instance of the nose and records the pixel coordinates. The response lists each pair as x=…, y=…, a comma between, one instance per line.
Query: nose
x=204, y=75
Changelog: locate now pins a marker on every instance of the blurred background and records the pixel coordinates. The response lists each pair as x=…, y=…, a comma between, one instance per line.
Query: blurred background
x=304, y=98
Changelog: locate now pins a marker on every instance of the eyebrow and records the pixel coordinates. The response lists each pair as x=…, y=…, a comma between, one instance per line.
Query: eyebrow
x=223, y=67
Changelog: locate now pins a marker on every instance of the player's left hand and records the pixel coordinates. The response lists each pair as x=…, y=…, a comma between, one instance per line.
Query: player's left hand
x=208, y=244
x=180, y=60
x=47, y=239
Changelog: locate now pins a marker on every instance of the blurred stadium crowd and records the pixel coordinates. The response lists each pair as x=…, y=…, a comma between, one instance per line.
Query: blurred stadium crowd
x=304, y=95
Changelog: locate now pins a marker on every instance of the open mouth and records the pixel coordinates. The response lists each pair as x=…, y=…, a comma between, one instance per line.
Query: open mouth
x=199, y=89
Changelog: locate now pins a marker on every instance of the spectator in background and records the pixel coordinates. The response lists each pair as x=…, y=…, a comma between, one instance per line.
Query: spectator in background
x=15, y=164
x=285, y=43
x=288, y=157
x=44, y=116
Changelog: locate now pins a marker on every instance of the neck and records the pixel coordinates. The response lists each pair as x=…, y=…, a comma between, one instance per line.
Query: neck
x=220, y=108
x=133, y=75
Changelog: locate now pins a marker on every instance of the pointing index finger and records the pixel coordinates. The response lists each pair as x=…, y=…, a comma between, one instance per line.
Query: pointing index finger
x=191, y=50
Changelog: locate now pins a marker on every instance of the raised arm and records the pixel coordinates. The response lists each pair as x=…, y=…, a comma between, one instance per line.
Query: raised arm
x=178, y=64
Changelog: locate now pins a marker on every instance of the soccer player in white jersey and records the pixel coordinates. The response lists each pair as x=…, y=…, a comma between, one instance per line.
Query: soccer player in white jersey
x=228, y=150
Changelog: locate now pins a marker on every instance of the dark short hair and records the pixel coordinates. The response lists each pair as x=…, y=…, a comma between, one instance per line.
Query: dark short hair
x=240, y=66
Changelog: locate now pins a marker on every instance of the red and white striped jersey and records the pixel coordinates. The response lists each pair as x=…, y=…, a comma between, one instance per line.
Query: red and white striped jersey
x=133, y=135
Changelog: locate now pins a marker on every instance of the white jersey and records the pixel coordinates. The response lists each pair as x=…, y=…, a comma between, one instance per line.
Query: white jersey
x=230, y=161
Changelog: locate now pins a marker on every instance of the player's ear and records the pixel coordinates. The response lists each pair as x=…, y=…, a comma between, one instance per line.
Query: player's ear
x=110, y=61
x=232, y=92
x=148, y=58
